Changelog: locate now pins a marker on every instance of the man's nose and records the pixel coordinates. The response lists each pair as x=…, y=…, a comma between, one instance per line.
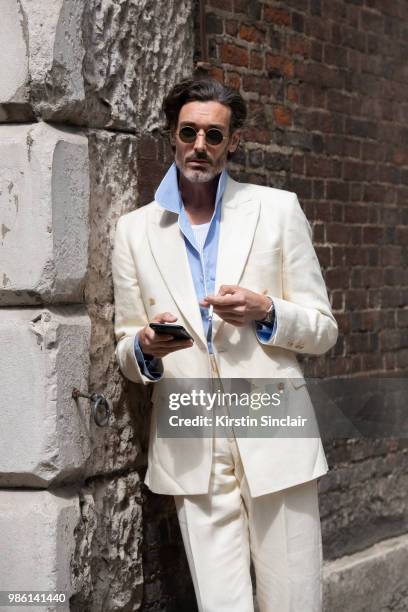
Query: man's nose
x=199, y=143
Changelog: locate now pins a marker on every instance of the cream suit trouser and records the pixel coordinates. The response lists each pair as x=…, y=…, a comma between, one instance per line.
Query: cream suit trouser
x=224, y=528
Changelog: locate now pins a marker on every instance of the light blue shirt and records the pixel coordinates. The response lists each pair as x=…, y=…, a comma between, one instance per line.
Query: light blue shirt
x=202, y=264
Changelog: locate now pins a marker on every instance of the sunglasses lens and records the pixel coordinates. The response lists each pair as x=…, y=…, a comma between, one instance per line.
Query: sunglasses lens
x=214, y=137
x=187, y=134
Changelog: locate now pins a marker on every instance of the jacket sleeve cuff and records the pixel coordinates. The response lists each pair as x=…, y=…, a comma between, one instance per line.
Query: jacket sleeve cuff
x=265, y=331
x=150, y=366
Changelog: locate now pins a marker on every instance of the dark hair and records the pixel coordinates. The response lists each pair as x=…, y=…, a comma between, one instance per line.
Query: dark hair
x=203, y=89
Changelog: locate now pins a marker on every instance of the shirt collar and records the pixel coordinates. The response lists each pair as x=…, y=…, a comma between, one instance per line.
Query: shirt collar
x=168, y=193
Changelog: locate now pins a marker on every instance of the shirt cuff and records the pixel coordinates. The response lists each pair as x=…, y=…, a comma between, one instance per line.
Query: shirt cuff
x=150, y=366
x=265, y=330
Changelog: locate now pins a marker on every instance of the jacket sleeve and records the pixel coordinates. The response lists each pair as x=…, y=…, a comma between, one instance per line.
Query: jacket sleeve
x=305, y=323
x=130, y=313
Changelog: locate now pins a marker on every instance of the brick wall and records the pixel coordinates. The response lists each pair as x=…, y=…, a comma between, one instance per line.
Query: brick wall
x=326, y=83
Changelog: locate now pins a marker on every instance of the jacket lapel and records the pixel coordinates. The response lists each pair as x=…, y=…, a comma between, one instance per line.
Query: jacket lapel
x=239, y=218
x=169, y=251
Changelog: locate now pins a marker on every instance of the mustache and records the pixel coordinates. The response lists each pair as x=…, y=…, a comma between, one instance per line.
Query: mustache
x=200, y=155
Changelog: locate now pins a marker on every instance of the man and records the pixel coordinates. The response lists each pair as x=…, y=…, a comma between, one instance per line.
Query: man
x=234, y=264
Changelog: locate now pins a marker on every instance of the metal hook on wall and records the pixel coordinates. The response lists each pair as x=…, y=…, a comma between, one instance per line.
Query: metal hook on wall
x=100, y=406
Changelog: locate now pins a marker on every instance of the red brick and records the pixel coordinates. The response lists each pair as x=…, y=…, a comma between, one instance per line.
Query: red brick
x=224, y=5
x=320, y=75
x=344, y=322
x=323, y=211
x=402, y=359
x=391, y=339
x=370, y=320
x=253, y=134
x=372, y=277
x=319, y=166
x=256, y=60
x=390, y=255
x=318, y=233
x=355, y=299
x=401, y=235
x=402, y=317
x=298, y=164
x=338, y=233
x=292, y=93
x=336, y=55
x=232, y=54
x=276, y=15
x=389, y=361
x=316, y=50
x=259, y=85
x=282, y=115
x=324, y=256
x=359, y=343
x=251, y=8
x=233, y=79
x=338, y=101
x=231, y=27
x=356, y=256
x=354, y=171
x=338, y=190
x=217, y=73
x=338, y=278
x=337, y=300
x=372, y=21
x=280, y=65
x=391, y=297
x=373, y=235
x=299, y=45
x=251, y=33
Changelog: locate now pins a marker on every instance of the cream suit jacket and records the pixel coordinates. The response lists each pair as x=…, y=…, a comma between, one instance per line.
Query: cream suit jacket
x=264, y=245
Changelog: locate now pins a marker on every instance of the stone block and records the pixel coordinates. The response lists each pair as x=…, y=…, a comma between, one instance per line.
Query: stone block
x=44, y=435
x=37, y=543
x=373, y=579
x=107, y=564
x=114, y=181
x=42, y=51
x=44, y=200
x=102, y=64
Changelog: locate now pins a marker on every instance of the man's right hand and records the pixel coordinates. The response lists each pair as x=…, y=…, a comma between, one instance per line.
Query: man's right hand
x=160, y=345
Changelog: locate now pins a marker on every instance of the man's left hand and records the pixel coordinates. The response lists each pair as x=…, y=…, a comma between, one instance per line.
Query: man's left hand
x=238, y=306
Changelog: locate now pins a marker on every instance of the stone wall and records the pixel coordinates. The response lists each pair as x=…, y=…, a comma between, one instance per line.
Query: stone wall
x=81, y=85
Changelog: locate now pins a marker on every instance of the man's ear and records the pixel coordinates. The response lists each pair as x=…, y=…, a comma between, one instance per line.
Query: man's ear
x=234, y=141
x=172, y=137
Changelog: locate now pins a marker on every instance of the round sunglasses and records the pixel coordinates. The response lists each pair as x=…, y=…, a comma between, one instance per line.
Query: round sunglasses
x=213, y=136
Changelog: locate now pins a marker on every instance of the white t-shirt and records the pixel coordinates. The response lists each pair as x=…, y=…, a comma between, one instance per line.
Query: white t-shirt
x=200, y=234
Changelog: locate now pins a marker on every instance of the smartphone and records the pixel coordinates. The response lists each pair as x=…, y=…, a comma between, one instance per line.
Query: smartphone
x=172, y=329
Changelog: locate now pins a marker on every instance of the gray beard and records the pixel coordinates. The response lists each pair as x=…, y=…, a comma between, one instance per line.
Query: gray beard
x=197, y=176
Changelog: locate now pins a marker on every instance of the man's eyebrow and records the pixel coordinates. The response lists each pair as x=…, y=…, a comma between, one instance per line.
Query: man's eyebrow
x=212, y=125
